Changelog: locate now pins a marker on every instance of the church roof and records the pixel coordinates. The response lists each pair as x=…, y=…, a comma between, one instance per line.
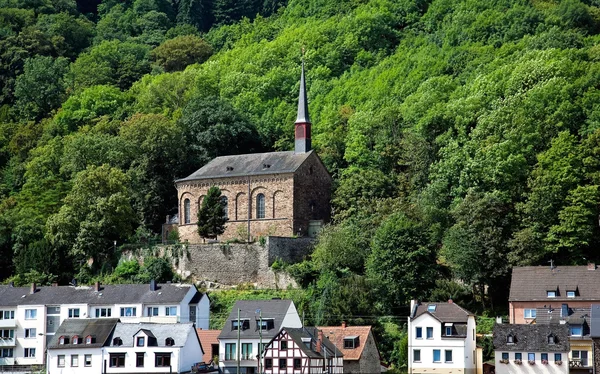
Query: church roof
x=249, y=164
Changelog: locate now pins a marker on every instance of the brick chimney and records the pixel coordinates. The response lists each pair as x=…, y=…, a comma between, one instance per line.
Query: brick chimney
x=319, y=341
x=97, y=286
x=591, y=266
x=33, y=288
x=343, y=324
x=450, y=301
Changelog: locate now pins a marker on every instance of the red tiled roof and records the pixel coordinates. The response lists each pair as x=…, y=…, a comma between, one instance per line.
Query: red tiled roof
x=336, y=335
x=207, y=339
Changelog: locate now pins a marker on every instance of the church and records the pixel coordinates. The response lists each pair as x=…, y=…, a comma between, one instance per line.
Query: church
x=265, y=194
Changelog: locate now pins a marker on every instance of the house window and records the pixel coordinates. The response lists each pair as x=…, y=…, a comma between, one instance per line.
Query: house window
x=30, y=313
x=531, y=357
x=551, y=293
x=128, y=312
x=76, y=339
x=282, y=363
x=551, y=339
x=7, y=334
x=6, y=352
x=448, y=330
x=297, y=363
x=530, y=313
x=283, y=345
x=88, y=339
x=448, y=355
x=416, y=355
x=152, y=311
x=74, y=360
x=186, y=211
x=7, y=314
x=436, y=355
x=510, y=339
x=431, y=308
x=74, y=313
x=87, y=360
x=581, y=356
x=169, y=342
x=103, y=312
x=558, y=357
x=430, y=333
x=140, y=341
x=31, y=333
x=544, y=357
x=505, y=355
x=162, y=359
x=244, y=322
x=518, y=356
x=260, y=206
x=30, y=352
x=576, y=330
x=268, y=363
x=171, y=311
x=350, y=342
x=267, y=324
x=117, y=341
x=229, y=351
x=419, y=332
x=139, y=359
x=570, y=293
x=117, y=360
x=225, y=203
x=246, y=351
x=61, y=361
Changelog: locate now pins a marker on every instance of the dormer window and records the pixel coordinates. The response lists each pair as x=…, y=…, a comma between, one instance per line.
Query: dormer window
x=448, y=330
x=169, y=342
x=76, y=339
x=350, y=342
x=510, y=339
x=265, y=324
x=229, y=168
x=140, y=341
x=117, y=341
x=88, y=339
x=244, y=322
x=551, y=339
x=431, y=308
x=551, y=294
x=576, y=330
x=571, y=293
x=63, y=340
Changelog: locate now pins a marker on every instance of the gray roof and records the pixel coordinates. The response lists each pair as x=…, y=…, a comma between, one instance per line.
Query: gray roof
x=179, y=332
x=99, y=329
x=312, y=333
x=550, y=315
x=271, y=309
x=531, y=338
x=595, y=321
x=109, y=294
x=249, y=164
x=444, y=312
x=303, y=116
x=531, y=283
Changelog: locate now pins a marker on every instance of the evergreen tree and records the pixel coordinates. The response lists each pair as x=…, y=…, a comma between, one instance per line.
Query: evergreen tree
x=211, y=217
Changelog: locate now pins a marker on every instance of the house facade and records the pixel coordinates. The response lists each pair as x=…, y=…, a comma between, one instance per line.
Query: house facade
x=265, y=194
x=32, y=315
x=531, y=348
x=358, y=346
x=259, y=321
x=441, y=339
x=301, y=350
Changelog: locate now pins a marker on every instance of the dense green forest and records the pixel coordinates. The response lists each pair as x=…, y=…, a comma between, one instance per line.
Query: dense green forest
x=463, y=136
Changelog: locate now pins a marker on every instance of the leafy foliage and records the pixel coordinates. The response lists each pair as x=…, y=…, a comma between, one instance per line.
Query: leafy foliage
x=211, y=215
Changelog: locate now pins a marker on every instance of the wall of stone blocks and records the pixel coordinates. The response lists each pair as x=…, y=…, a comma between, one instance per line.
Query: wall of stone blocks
x=312, y=194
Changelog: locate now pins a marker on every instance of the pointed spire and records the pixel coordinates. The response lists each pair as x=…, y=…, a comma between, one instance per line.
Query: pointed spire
x=303, y=116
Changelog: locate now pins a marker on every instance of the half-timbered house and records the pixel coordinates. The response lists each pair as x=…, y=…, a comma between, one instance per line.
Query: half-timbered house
x=302, y=350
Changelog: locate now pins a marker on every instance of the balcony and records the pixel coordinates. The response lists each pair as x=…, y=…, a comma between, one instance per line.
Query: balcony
x=7, y=361
x=152, y=319
x=577, y=363
x=7, y=342
x=8, y=323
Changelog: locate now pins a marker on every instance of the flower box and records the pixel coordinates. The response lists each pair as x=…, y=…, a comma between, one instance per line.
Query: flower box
x=531, y=362
x=504, y=361
x=558, y=362
x=518, y=362
x=545, y=362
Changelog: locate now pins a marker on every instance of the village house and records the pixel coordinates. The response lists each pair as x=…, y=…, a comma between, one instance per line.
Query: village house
x=254, y=323
x=265, y=194
x=358, y=346
x=301, y=350
x=210, y=344
x=441, y=339
x=531, y=348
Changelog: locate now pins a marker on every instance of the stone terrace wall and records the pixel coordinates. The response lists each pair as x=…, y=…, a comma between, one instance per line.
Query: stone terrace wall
x=233, y=264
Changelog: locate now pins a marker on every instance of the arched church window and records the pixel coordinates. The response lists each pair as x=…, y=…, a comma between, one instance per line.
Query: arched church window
x=260, y=206
x=225, y=203
x=186, y=211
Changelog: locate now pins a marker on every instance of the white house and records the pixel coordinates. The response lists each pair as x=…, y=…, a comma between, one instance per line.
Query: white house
x=531, y=348
x=441, y=339
x=30, y=316
x=259, y=321
x=152, y=348
x=301, y=350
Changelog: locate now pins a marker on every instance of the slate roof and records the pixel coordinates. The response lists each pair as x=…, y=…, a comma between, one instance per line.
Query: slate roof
x=179, y=332
x=312, y=332
x=167, y=293
x=444, y=312
x=275, y=309
x=595, y=321
x=576, y=316
x=531, y=338
x=207, y=339
x=249, y=164
x=530, y=283
x=99, y=328
x=336, y=335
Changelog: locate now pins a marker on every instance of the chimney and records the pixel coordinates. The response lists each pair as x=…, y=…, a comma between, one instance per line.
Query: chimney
x=450, y=301
x=303, y=125
x=343, y=324
x=499, y=320
x=153, y=285
x=591, y=266
x=319, y=341
x=97, y=286
x=33, y=288
x=413, y=307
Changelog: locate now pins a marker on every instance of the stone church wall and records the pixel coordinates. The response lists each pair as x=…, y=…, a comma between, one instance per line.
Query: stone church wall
x=312, y=194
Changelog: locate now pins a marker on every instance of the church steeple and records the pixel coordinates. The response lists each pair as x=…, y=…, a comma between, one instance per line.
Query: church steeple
x=303, y=125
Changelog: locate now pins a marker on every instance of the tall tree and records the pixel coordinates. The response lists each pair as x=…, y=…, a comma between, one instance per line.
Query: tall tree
x=211, y=216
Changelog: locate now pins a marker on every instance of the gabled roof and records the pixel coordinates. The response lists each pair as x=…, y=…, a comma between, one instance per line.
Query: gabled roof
x=576, y=316
x=179, y=332
x=98, y=328
x=298, y=334
x=444, y=312
x=276, y=310
x=531, y=338
x=531, y=283
x=207, y=339
x=249, y=164
x=167, y=293
x=336, y=335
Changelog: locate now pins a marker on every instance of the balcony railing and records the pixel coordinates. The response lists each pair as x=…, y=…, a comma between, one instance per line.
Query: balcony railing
x=7, y=342
x=578, y=363
x=8, y=323
x=7, y=361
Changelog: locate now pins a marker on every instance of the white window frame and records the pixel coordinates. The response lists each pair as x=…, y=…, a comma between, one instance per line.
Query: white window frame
x=571, y=294
x=128, y=311
x=446, y=351
x=29, y=352
x=416, y=352
x=152, y=311
x=7, y=314
x=529, y=313
x=74, y=361
x=551, y=294
x=87, y=360
x=60, y=361
x=107, y=312
x=30, y=313
x=575, y=326
x=74, y=312
x=171, y=311
x=30, y=333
